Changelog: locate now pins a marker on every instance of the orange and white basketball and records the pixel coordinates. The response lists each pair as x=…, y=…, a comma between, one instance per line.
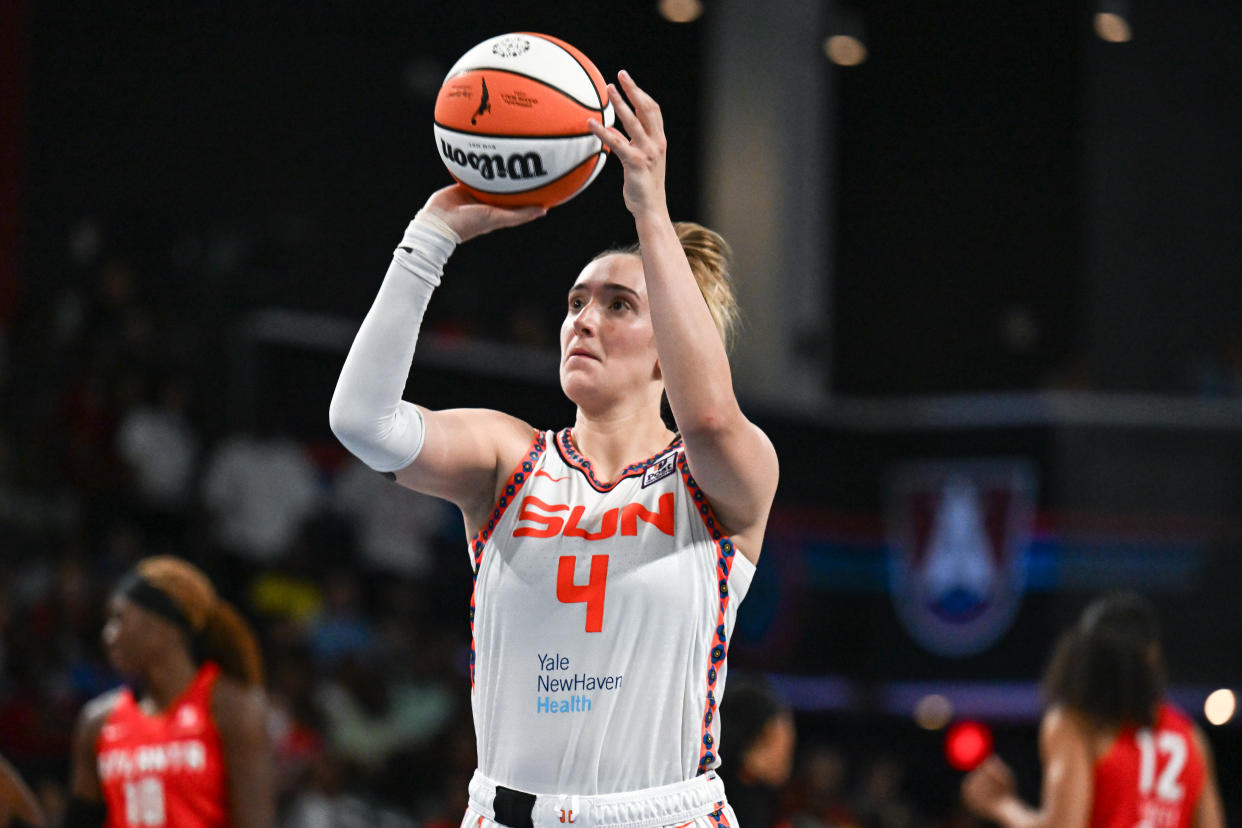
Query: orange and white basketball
x=511, y=120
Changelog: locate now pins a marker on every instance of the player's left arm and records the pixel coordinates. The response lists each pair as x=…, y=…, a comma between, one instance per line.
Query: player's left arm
x=1209, y=811
x=18, y=805
x=1065, y=801
x=240, y=714
x=733, y=461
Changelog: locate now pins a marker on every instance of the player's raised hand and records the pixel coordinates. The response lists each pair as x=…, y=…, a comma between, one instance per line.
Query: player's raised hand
x=469, y=217
x=987, y=785
x=642, y=154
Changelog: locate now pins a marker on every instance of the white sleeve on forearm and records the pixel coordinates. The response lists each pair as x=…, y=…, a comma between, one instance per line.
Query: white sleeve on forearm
x=367, y=413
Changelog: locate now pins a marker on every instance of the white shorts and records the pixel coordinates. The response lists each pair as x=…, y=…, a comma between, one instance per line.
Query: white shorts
x=697, y=803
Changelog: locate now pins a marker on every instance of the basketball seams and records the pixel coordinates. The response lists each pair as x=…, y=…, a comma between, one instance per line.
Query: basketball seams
x=510, y=136
x=543, y=83
x=578, y=58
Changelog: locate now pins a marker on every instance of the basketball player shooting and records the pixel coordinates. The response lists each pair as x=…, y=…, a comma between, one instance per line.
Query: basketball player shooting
x=610, y=557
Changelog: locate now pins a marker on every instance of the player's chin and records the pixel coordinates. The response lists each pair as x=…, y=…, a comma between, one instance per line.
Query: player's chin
x=578, y=384
x=571, y=381
x=118, y=661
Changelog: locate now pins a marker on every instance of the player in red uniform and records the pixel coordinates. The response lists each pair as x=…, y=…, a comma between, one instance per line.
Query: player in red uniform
x=1115, y=754
x=190, y=749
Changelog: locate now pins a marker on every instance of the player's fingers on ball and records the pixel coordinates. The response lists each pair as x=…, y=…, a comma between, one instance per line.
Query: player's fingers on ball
x=625, y=115
x=522, y=215
x=611, y=138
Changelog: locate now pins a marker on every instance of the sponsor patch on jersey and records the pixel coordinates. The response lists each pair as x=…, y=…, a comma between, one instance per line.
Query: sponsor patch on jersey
x=958, y=534
x=660, y=469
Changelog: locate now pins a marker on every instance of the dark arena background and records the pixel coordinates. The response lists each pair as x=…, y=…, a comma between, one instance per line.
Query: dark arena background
x=991, y=282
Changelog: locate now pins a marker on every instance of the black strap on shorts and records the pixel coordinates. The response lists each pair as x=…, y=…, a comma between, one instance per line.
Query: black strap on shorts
x=514, y=808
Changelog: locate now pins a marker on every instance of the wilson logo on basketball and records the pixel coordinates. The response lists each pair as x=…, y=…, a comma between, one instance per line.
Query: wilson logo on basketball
x=541, y=520
x=518, y=165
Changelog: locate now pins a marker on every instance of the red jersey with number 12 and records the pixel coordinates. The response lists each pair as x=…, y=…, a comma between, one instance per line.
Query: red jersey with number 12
x=1150, y=777
x=165, y=769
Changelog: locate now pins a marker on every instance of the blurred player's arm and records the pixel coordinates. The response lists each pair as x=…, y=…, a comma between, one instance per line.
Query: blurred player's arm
x=18, y=806
x=1065, y=754
x=1210, y=812
x=86, y=806
x=240, y=714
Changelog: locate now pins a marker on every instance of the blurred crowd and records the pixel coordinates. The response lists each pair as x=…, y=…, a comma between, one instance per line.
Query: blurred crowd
x=116, y=444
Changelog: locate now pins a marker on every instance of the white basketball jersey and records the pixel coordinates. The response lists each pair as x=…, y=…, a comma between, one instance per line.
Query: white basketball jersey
x=601, y=616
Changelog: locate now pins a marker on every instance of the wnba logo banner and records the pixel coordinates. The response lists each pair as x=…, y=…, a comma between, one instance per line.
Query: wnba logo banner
x=958, y=534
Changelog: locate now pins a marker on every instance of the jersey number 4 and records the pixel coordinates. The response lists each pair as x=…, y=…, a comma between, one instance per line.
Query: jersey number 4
x=591, y=594
x=1172, y=750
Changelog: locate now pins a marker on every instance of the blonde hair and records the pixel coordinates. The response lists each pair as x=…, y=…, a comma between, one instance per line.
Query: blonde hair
x=709, y=255
x=223, y=635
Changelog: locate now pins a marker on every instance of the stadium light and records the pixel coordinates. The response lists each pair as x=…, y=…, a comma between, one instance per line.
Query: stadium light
x=1112, y=21
x=846, y=43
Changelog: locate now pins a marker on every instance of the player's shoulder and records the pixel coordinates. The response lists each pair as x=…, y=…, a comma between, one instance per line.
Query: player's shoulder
x=495, y=421
x=229, y=694
x=94, y=714
x=100, y=707
x=507, y=437
x=1061, y=723
x=1170, y=714
x=239, y=711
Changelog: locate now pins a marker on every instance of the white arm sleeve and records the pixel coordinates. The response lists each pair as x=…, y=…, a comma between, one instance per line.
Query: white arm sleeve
x=367, y=413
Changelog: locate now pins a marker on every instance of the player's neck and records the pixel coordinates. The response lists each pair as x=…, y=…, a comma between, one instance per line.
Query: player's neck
x=167, y=679
x=611, y=443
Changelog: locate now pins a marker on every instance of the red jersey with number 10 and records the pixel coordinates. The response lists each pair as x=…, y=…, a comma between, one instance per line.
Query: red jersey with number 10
x=1150, y=777
x=165, y=769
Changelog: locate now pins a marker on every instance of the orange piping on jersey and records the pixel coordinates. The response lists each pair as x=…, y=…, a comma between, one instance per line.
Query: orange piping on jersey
x=565, y=446
x=515, y=483
x=716, y=658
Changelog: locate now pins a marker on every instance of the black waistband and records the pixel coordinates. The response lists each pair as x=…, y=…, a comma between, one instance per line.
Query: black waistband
x=514, y=808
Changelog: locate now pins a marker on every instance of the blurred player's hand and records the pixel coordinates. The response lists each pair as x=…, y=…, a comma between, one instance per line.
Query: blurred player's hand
x=469, y=217
x=987, y=786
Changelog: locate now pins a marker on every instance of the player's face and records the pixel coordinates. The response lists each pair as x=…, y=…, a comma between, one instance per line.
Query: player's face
x=607, y=343
x=131, y=635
